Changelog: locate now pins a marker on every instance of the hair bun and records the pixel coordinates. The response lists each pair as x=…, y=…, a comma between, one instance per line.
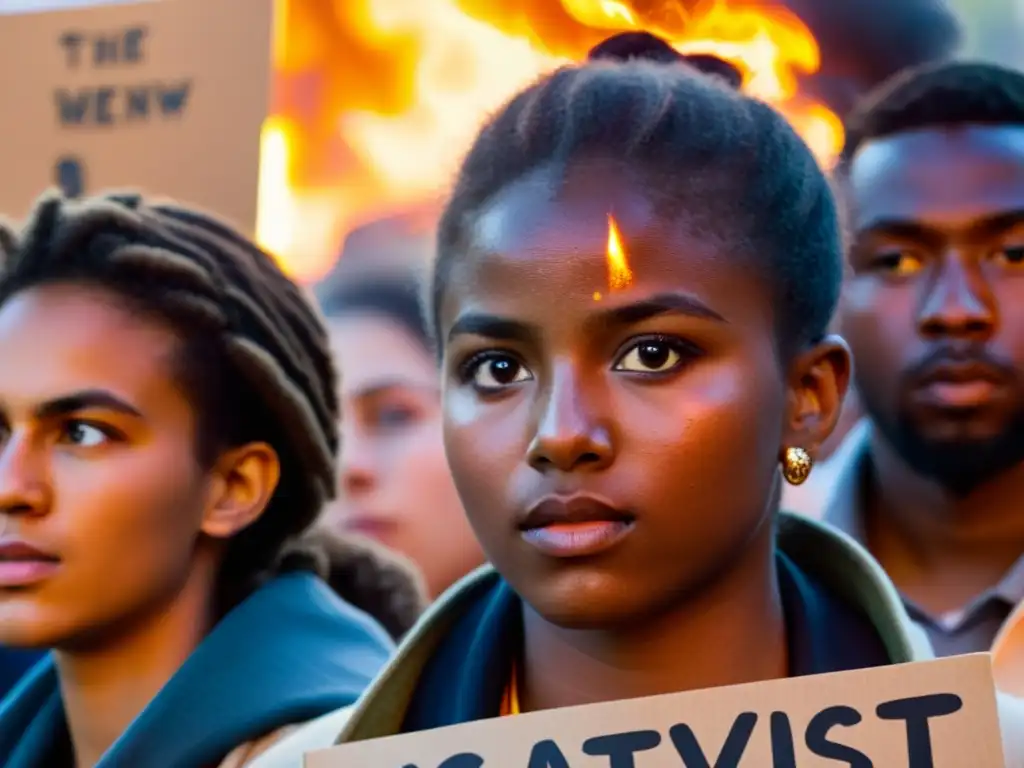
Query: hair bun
x=635, y=45
x=710, y=64
x=643, y=45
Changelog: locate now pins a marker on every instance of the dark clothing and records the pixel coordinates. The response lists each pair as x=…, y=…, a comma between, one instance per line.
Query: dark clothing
x=14, y=664
x=467, y=674
x=841, y=610
x=289, y=653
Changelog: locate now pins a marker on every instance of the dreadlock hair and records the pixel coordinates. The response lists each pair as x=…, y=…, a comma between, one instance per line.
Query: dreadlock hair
x=946, y=95
x=254, y=357
x=705, y=151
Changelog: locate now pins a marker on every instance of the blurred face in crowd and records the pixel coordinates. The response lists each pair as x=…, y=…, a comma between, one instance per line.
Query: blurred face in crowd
x=395, y=485
x=101, y=497
x=934, y=310
x=617, y=451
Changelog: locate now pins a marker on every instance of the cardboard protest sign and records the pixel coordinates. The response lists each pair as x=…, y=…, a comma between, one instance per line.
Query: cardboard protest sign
x=934, y=714
x=166, y=96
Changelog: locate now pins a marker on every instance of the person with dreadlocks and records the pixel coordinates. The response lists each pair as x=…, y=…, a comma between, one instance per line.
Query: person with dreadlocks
x=932, y=480
x=168, y=424
x=619, y=448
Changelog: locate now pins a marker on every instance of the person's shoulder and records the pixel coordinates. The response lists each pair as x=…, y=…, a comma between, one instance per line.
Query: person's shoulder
x=849, y=572
x=1011, y=721
x=1008, y=654
x=286, y=748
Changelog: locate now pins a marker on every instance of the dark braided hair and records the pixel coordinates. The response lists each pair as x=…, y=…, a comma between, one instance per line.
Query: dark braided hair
x=705, y=151
x=947, y=95
x=254, y=358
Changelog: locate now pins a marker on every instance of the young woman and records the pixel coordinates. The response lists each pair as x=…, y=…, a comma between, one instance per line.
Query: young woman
x=394, y=486
x=167, y=426
x=619, y=437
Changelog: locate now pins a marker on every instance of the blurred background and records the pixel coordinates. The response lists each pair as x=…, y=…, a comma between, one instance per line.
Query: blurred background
x=992, y=29
x=375, y=100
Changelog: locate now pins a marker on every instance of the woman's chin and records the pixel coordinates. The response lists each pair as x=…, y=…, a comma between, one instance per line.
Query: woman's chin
x=592, y=601
x=29, y=634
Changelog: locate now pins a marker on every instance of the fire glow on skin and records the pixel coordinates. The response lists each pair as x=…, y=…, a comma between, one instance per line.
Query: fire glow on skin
x=620, y=276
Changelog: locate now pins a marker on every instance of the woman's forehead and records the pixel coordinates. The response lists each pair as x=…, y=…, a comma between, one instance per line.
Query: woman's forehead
x=522, y=241
x=357, y=341
x=64, y=337
x=556, y=207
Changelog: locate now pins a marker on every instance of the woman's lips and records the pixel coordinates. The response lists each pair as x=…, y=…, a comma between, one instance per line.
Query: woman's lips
x=578, y=525
x=578, y=539
x=372, y=527
x=22, y=564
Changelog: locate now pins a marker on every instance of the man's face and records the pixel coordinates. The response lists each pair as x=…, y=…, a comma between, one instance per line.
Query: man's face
x=934, y=309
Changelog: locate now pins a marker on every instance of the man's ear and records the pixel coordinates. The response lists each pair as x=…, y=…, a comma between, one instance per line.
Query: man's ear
x=244, y=481
x=818, y=379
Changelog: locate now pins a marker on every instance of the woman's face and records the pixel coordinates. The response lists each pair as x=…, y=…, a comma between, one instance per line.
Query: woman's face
x=101, y=499
x=615, y=449
x=395, y=485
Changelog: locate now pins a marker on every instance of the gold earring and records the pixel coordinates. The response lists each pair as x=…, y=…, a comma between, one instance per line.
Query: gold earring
x=796, y=465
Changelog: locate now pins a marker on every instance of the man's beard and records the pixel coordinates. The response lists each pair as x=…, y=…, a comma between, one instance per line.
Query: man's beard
x=959, y=466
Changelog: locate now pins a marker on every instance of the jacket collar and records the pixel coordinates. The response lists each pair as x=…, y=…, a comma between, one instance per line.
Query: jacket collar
x=463, y=646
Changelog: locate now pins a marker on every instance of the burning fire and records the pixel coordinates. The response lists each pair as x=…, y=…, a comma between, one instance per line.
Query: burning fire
x=619, y=274
x=376, y=100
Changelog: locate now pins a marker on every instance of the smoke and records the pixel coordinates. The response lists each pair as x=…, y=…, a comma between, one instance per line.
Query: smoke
x=863, y=42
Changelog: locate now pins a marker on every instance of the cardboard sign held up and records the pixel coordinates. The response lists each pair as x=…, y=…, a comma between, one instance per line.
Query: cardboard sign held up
x=933, y=714
x=166, y=96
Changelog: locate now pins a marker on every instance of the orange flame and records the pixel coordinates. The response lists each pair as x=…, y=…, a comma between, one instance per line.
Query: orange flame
x=620, y=276
x=376, y=100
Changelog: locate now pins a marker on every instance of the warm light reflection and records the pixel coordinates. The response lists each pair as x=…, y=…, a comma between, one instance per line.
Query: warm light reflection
x=376, y=100
x=619, y=274
x=275, y=216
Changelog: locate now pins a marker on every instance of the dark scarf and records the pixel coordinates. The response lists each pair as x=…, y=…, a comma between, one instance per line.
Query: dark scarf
x=291, y=652
x=467, y=674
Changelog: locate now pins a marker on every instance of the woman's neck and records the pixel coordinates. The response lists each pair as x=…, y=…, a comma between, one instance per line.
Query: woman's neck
x=732, y=632
x=105, y=685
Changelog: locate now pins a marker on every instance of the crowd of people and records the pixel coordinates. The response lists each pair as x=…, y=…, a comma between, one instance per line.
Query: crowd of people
x=217, y=551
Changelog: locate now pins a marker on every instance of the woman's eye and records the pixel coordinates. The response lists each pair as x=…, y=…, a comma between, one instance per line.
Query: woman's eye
x=650, y=356
x=83, y=435
x=494, y=372
x=393, y=416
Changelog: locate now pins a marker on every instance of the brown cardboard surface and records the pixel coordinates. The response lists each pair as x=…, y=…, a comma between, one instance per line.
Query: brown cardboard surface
x=823, y=720
x=166, y=96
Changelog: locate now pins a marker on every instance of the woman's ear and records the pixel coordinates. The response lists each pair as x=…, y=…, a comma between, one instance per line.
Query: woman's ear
x=244, y=481
x=818, y=379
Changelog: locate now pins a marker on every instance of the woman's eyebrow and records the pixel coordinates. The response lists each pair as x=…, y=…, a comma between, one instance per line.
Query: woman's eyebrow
x=86, y=399
x=493, y=327
x=659, y=304
x=385, y=386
